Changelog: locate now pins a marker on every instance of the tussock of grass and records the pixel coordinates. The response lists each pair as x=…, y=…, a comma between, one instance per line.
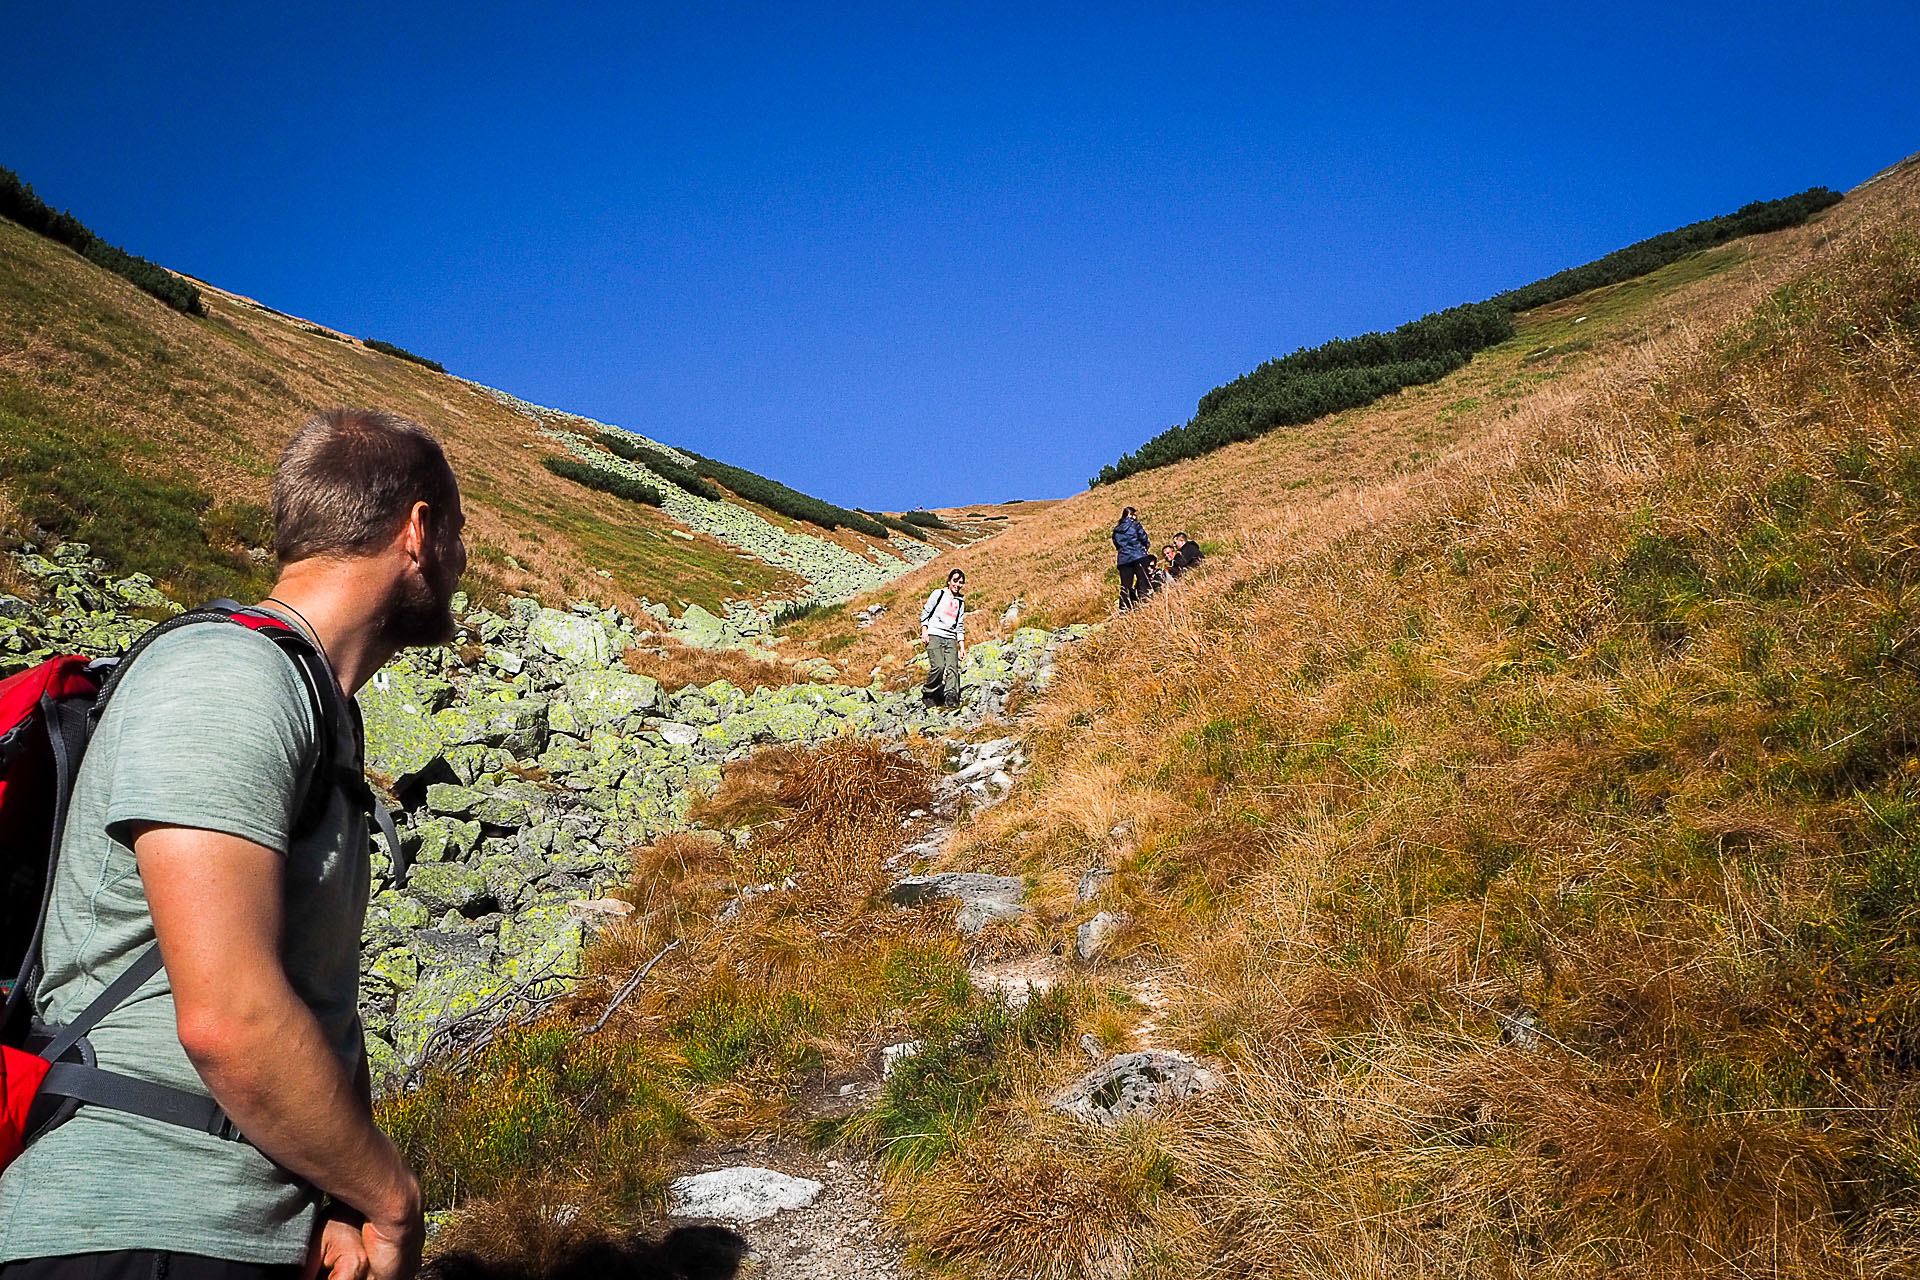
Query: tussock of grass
x=847, y=785
x=682, y=665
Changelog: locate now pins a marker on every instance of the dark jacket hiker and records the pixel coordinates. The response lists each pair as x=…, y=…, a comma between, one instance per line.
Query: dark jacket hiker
x=1133, y=549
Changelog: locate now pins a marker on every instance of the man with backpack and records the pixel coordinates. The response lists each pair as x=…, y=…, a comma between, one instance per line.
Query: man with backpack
x=1134, y=550
x=220, y=810
x=943, y=623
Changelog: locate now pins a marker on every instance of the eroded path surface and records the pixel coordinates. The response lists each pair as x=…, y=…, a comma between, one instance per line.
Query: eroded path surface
x=842, y=1232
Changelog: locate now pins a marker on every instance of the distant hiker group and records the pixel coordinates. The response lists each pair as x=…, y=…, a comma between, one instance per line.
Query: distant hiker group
x=1141, y=572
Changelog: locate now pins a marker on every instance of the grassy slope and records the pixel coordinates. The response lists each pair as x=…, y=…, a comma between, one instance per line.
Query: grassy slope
x=152, y=435
x=1056, y=557
x=1604, y=715
x=1599, y=712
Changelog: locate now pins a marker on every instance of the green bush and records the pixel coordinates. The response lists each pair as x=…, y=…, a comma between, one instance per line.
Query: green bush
x=606, y=481
x=895, y=523
x=926, y=520
x=1670, y=246
x=401, y=353
x=19, y=203
x=788, y=502
x=661, y=464
x=1350, y=372
x=795, y=611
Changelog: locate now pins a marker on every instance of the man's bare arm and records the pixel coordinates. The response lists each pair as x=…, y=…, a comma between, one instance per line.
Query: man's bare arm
x=217, y=908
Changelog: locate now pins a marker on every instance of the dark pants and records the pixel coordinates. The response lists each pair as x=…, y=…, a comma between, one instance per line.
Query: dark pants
x=143, y=1264
x=1134, y=583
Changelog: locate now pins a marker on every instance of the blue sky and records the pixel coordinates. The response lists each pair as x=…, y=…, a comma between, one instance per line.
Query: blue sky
x=920, y=254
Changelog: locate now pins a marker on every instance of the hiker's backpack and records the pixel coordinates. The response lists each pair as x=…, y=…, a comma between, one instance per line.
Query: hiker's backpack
x=47, y=716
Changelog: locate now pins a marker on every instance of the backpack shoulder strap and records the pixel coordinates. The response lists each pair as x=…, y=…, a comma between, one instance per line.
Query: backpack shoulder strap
x=332, y=711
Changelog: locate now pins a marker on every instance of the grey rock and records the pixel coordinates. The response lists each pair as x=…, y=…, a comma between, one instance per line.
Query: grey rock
x=606, y=698
x=892, y=1056
x=967, y=886
x=455, y=801
x=679, y=735
x=1091, y=938
x=1093, y=883
x=983, y=899
x=742, y=1194
x=1132, y=1084
x=446, y=886
x=583, y=642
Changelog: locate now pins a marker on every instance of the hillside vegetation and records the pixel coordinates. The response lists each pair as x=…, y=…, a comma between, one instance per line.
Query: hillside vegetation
x=1347, y=373
x=149, y=434
x=1520, y=810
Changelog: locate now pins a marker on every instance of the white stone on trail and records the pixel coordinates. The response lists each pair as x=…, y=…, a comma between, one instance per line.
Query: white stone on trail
x=1091, y=938
x=1135, y=1084
x=742, y=1194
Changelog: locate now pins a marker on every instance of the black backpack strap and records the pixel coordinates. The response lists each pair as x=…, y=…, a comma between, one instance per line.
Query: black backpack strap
x=85, y=1083
x=139, y=1097
x=68, y=729
x=144, y=966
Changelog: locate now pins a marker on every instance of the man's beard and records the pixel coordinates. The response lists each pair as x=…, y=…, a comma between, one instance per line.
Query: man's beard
x=419, y=609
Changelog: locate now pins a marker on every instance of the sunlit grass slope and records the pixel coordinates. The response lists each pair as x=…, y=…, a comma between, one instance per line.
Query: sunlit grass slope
x=1533, y=832
x=151, y=435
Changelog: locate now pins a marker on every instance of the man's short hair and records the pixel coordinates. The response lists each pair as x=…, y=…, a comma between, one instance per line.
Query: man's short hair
x=348, y=480
x=1127, y=512
x=1183, y=537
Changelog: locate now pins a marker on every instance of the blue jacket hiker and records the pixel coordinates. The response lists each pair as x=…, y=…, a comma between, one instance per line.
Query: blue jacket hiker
x=1132, y=549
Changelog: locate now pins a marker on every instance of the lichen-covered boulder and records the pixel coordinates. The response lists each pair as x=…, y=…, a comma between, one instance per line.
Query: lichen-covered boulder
x=545, y=939
x=444, y=838
x=700, y=629
x=440, y=995
x=511, y=804
x=453, y=800
x=792, y=723
x=578, y=641
x=446, y=886
x=518, y=727
x=603, y=699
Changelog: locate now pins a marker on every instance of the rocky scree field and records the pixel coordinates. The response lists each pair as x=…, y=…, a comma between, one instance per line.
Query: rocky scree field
x=525, y=763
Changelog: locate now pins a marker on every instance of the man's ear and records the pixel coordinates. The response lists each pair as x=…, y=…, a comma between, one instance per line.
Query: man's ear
x=416, y=535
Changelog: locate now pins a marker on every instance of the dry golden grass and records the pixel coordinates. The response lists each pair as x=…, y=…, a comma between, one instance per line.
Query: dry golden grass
x=1602, y=717
x=682, y=665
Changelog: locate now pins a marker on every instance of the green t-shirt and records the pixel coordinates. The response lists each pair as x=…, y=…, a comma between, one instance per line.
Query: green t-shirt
x=211, y=728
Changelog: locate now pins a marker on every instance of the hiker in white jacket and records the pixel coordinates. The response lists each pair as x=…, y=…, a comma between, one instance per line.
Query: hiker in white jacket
x=943, y=621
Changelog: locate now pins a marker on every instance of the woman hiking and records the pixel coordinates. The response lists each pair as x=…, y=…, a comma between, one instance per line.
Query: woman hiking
x=943, y=621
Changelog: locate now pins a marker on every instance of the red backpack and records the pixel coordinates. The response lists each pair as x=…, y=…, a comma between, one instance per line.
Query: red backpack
x=47, y=716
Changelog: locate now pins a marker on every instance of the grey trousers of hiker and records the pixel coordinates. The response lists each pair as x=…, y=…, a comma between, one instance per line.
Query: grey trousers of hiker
x=943, y=669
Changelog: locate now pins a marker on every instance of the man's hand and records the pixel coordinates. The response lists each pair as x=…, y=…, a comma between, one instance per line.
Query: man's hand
x=393, y=1248
x=338, y=1253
